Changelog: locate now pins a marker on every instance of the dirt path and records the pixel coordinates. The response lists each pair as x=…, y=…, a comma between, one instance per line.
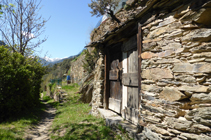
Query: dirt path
x=41, y=130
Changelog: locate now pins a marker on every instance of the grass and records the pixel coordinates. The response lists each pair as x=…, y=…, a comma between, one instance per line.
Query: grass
x=14, y=128
x=74, y=122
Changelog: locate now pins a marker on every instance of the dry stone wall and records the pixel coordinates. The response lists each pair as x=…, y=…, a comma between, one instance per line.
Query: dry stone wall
x=176, y=66
x=77, y=70
x=176, y=74
x=97, y=94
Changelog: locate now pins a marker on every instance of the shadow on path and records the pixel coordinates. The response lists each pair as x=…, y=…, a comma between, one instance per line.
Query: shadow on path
x=41, y=130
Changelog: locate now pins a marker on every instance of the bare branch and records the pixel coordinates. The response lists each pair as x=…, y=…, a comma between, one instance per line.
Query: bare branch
x=22, y=25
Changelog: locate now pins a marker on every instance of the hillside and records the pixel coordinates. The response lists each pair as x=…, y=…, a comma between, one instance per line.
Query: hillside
x=51, y=61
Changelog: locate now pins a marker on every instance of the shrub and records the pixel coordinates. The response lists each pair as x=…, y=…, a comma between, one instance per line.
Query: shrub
x=20, y=83
x=90, y=60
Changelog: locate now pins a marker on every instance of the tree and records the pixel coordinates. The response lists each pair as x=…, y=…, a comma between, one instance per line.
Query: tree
x=101, y=7
x=21, y=25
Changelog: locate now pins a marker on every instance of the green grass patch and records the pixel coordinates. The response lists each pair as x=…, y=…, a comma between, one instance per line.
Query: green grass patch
x=74, y=122
x=14, y=128
x=72, y=87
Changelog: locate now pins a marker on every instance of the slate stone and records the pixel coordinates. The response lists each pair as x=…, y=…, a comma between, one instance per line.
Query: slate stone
x=168, y=61
x=158, y=130
x=199, y=35
x=156, y=74
x=178, y=123
x=148, y=55
x=151, y=88
x=172, y=46
x=186, y=78
x=183, y=67
x=167, y=21
x=196, y=88
x=192, y=68
x=182, y=125
x=199, y=128
x=192, y=136
x=157, y=32
x=199, y=113
x=203, y=16
x=203, y=54
x=202, y=48
x=151, y=135
x=171, y=94
x=205, y=122
x=147, y=82
x=201, y=98
x=197, y=60
x=165, y=53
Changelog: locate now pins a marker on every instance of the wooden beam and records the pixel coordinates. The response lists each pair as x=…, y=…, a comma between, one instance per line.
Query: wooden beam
x=130, y=79
x=139, y=47
x=106, y=83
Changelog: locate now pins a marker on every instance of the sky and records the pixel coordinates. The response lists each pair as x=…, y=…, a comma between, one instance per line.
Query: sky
x=68, y=28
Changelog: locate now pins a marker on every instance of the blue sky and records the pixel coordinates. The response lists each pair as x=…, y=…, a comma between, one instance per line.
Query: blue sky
x=68, y=28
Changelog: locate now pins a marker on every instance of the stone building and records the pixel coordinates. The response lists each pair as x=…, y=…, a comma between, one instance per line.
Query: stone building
x=155, y=67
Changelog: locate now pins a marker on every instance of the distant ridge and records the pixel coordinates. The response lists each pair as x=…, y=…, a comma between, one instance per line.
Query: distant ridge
x=51, y=61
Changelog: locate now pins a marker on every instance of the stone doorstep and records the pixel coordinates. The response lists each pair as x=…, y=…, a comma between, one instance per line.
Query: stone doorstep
x=114, y=120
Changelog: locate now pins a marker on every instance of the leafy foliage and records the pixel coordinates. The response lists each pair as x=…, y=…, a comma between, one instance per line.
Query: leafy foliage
x=101, y=7
x=90, y=60
x=20, y=82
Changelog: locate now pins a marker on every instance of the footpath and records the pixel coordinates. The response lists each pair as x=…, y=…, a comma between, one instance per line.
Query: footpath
x=42, y=129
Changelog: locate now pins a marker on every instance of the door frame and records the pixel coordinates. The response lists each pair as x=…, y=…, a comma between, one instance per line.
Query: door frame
x=106, y=94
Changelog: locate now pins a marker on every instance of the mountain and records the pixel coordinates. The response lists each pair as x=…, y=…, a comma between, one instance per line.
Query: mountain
x=51, y=61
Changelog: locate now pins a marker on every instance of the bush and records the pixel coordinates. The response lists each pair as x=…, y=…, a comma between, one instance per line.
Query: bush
x=20, y=82
x=90, y=60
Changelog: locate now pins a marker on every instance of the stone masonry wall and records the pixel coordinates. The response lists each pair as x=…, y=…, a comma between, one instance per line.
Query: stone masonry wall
x=77, y=70
x=176, y=74
x=97, y=94
x=176, y=66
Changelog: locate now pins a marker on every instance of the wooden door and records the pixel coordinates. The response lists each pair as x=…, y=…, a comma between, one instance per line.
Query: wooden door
x=115, y=99
x=130, y=80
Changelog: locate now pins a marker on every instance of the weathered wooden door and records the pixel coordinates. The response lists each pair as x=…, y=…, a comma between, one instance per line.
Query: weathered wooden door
x=115, y=99
x=130, y=80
